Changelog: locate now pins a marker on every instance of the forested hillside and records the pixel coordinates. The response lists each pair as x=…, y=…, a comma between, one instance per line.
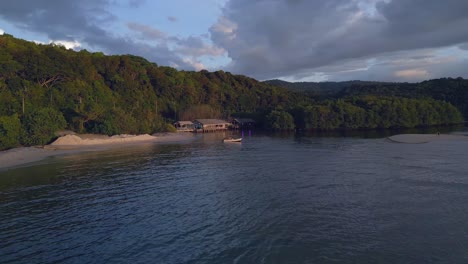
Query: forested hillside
x=91, y=92
x=454, y=91
x=45, y=88
x=319, y=89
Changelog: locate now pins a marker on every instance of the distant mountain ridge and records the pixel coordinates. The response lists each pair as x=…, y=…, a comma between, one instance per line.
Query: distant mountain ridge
x=328, y=88
x=453, y=90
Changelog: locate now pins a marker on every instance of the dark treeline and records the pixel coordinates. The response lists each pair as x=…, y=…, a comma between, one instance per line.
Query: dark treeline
x=45, y=88
x=376, y=112
x=319, y=89
x=454, y=91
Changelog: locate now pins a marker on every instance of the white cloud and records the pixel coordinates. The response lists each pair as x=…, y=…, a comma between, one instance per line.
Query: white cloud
x=67, y=44
x=224, y=26
x=2, y=31
x=198, y=66
x=39, y=42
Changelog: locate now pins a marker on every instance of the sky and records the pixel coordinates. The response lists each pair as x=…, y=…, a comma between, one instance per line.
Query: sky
x=292, y=40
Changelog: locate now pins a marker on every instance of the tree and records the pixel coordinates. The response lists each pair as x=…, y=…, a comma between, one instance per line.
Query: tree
x=200, y=111
x=40, y=126
x=279, y=120
x=10, y=128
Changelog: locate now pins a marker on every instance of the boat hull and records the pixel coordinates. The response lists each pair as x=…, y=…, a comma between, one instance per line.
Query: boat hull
x=227, y=140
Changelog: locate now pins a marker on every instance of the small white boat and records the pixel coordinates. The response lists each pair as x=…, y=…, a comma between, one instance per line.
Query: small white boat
x=232, y=139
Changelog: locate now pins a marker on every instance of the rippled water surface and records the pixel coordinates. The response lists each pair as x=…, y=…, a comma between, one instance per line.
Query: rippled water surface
x=271, y=199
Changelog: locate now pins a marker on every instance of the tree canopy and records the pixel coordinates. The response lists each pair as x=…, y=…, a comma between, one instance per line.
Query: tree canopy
x=44, y=88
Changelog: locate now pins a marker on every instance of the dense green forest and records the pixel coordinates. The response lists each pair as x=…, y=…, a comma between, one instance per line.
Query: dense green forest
x=319, y=89
x=45, y=88
x=454, y=91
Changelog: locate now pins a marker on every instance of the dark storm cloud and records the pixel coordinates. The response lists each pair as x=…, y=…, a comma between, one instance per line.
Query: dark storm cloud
x=275, y=38
x=86, y=21
x=58, y=19
x=271, y=38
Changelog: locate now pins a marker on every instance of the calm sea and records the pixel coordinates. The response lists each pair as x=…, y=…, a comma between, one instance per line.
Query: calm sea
x=271, y=199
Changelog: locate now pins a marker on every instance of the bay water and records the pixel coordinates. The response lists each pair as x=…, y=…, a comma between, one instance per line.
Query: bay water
x=274, y=198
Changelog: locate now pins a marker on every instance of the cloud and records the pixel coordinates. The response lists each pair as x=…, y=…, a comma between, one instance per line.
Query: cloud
x=412, y=74
x=295, y=39
x=57, y=18
x=463, y=46
x=88, y=23
x=136, y=3
x=2, y=31
x=190, y=49
x=196, y=47
x=271, y=38
x=146, y=32
x=196, y=64
x=67, y=44
x=436, y=62
x=426, y=64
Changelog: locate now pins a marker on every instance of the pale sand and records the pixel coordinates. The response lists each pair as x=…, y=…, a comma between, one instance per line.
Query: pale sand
x=425, y=138
x=70, y=144
x=86, y=140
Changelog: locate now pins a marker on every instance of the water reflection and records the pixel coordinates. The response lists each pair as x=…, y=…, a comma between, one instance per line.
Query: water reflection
x=286, y=198
x=382, y=133
x=120, y=159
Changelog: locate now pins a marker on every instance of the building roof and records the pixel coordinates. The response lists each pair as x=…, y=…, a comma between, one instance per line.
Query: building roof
x=244, y=120
x=185, y=122
x=211, y=121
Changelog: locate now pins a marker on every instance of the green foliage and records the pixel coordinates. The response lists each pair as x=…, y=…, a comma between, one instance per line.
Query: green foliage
x=10, y=128
x=40, y=126
x=170, y=128
x=113, y=122
x=279, y=120
x=451, y=90
x=376, y=112
x=120, y=94
x=127, y=94
x=200, y=111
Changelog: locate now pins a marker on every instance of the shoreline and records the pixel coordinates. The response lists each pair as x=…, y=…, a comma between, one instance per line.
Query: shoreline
x=425, y=138
x=79, y=143
x=73, y=144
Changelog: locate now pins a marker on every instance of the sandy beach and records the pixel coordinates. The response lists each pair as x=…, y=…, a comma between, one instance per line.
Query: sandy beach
x=71, y=144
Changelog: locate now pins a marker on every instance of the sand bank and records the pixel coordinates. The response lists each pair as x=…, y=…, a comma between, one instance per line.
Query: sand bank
x=90, y=140
x=71, y=144
x=425, y=138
